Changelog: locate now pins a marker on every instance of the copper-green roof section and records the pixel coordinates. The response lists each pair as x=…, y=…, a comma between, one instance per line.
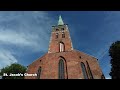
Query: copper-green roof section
x=60, y=21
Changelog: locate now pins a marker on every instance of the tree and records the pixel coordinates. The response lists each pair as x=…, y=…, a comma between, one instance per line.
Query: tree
x=114, y=52
x=13, y=69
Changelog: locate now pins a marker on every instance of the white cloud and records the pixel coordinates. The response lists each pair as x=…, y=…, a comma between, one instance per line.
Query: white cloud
x=21, y=39
x=32, y=29
x=24, y=30
x=6, y=58
x=12, y=37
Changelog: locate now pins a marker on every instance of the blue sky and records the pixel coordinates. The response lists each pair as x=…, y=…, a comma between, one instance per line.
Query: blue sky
x=25, y=35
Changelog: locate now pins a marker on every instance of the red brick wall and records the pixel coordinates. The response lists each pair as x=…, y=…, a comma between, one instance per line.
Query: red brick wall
x=54, y=43
x=49, y=64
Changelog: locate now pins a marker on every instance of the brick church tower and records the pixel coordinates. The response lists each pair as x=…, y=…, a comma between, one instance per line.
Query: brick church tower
x=62, y=61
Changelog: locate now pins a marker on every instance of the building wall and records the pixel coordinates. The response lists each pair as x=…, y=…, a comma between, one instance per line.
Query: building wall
x=49, y=64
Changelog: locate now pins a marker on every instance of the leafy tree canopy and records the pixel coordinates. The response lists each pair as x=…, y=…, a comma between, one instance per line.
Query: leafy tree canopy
x=13, y=69
x=114, y=52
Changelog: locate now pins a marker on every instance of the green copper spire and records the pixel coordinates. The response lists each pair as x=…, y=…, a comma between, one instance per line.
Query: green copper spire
x=60, y=21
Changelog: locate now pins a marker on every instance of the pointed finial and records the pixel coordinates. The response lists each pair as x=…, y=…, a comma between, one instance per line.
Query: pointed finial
x=60, y=21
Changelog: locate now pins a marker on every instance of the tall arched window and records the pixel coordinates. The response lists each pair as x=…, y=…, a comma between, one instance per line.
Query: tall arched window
x=89, y=71
x=39, y=73
x=62, y=47
x=61, y=69
x=84, y=70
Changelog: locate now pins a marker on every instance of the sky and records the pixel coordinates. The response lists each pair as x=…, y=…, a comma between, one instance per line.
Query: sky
x=25, y=35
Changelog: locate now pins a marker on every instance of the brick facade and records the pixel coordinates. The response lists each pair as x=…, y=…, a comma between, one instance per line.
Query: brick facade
x=72, y=59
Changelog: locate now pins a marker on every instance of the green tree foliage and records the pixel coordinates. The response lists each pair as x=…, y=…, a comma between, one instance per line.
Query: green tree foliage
x=114, y=52
x=14, y=69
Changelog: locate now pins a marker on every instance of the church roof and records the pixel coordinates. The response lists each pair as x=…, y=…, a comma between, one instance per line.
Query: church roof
x=60, y=21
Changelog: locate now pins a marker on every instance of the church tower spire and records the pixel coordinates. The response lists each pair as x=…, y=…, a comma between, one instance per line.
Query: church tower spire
x=60, y=40
x=60, y=21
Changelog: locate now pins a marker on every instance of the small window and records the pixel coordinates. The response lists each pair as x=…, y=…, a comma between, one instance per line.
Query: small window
x=57, y=29
x=40, y=60
x=80, y=57
x=63, y=35
x=56, y=35
x=62, y=28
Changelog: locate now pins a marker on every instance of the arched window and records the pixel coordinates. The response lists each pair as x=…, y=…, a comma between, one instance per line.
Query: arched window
x=62, y=47
x=39, y=73
x=61, y=70
x=89, y=71
x=63, y=35
x=56, y=35
x=84, y=70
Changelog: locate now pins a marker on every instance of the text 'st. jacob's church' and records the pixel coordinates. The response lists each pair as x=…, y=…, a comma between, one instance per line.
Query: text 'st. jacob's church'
x=62, y=61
